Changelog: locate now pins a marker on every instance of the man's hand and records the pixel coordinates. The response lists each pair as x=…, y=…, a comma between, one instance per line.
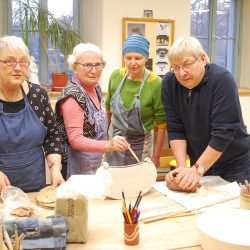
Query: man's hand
x=185, y=178
x=4, y=181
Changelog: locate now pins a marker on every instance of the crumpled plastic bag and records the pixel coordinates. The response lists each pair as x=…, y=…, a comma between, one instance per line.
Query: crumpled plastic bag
x=90, y=186
x=17, y=204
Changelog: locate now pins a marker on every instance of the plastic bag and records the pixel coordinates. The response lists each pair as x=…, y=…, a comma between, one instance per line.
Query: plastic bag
x=90, y=186
x=17, y=203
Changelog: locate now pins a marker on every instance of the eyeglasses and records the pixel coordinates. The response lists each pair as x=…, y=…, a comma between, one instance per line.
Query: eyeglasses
x=89, y=66
x=10, y=63
x=186, y=67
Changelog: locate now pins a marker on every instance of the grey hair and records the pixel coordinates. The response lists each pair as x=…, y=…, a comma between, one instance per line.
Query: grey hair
x=82, y=48
x=186, y=46
x=13, y=43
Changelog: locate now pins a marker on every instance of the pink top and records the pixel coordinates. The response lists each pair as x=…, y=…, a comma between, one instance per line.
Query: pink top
x=73, y=117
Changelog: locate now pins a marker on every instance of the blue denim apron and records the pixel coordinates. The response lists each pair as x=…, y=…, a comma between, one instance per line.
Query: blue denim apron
x=21, y=153
x=127, y=123
x=88, y=162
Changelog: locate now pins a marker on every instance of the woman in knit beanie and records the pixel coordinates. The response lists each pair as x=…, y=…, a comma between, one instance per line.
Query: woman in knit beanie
x=134, y=107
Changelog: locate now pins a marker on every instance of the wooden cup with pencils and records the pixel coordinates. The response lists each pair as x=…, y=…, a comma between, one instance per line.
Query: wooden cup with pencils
x=245, y=195
x=131, y=221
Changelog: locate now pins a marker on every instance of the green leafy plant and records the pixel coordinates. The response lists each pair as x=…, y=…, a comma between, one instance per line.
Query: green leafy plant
x=35, y=17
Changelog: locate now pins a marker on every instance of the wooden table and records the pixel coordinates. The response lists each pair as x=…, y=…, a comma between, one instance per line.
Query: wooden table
x=105, y=229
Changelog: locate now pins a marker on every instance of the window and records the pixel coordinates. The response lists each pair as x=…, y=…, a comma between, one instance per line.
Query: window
x=215, y=24
x=46, y=59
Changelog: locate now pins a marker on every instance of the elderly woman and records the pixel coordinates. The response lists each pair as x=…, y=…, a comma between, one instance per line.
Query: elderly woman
x=27, y=125
x=81, y=116
x=134, y=105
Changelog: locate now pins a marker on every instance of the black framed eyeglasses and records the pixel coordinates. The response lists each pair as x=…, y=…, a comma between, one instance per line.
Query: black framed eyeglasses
x=89, y=66
x=12, y=63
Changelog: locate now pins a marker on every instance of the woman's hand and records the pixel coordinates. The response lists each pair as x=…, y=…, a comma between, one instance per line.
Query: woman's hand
x=186, y=178
x=117, y=143
x=4, y=181
x=56, y=176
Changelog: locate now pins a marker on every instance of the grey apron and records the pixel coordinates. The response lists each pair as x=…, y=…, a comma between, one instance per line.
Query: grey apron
x=127, y=123
x=88, y=162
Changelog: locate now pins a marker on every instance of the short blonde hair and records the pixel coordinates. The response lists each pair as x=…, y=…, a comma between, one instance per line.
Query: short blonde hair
x=13, y=43
x=82, y=48
x=186, y=46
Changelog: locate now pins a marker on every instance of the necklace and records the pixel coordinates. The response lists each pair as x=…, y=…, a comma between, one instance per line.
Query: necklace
x=7, y=99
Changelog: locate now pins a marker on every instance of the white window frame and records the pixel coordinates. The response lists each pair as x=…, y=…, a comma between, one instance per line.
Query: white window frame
x=237, y=39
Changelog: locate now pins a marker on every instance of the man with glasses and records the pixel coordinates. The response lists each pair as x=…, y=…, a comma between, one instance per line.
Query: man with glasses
x=204, y=118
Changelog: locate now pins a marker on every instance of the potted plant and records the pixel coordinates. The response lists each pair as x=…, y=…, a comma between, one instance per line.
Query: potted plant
x=64, y=44
x=35, y=17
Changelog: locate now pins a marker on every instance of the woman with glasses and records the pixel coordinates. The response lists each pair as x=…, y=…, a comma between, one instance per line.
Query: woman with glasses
x=81, y=116
x=27, y=124
x=134, y=105
x=204, y=118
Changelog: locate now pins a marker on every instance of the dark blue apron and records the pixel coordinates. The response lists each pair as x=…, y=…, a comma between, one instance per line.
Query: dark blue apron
x=88, y=162
x=21, y=153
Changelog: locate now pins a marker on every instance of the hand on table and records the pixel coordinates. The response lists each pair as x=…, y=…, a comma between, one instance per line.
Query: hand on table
x=4, y=181
x=186, y=178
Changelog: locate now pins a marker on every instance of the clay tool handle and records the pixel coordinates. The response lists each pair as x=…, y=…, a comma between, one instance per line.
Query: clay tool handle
x=133, y=153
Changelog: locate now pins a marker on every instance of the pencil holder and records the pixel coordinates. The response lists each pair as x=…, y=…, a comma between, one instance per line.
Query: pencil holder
x=131, y=234
x=244, y=200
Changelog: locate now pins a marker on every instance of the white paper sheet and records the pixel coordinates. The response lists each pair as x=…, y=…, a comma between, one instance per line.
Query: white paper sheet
x=149, y=210
x=213, y=189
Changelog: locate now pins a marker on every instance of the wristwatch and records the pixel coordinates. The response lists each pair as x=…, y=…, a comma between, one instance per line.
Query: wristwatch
x=200, y=169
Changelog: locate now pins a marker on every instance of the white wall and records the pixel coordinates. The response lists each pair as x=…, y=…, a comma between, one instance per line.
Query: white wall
x=245, y=62
x=245, y=104
x=245, y=58
x=1, y=21
x=103, y=24
x=92, y=21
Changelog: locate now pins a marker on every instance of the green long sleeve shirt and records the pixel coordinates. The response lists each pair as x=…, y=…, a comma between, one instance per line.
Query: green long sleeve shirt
x=152, y=111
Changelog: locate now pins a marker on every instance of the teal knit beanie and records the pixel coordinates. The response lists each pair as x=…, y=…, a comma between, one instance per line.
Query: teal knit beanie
x=136, y=43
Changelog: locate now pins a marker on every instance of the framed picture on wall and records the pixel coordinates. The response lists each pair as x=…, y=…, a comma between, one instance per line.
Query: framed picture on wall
x=160, y=34
x=148, y=13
